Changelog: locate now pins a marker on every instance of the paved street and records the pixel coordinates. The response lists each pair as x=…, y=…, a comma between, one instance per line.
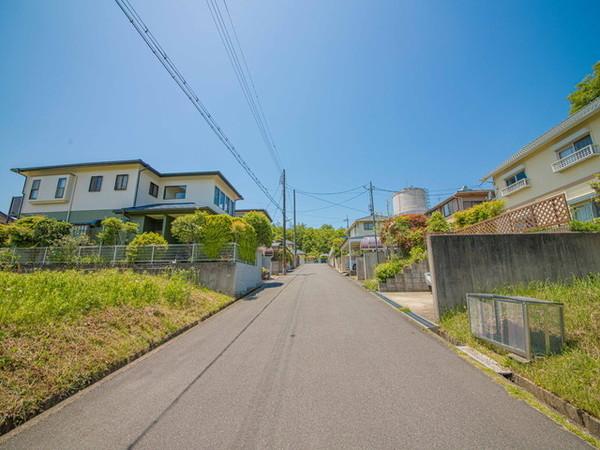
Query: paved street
x=311, y=361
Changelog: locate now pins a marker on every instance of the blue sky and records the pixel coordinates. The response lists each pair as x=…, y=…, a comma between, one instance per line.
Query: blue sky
x=426, y=93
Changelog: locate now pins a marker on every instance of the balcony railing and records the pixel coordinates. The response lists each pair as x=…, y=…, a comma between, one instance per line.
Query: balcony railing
x=574, y=158
x=521, y=184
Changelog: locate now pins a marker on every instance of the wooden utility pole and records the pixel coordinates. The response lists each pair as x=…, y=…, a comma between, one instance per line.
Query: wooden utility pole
x=295, y=236
x=372, y=209
x=284, y=243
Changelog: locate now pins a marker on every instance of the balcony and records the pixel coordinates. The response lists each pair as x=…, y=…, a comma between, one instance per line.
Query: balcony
x=521, y=184
x=574, y=158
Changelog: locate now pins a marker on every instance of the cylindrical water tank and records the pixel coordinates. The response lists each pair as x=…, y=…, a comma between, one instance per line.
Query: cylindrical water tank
x=411, y=200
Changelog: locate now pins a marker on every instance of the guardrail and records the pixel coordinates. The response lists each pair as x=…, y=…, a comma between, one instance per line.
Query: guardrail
x=525, y=326
x=575, y=157
x=119, y=255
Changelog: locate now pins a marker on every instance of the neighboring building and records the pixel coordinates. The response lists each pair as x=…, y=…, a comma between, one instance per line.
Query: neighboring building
x=411, y=200
x=86, y=193
x=462, y=199
x=241, y=212
x=360, y=229
x=562, y=160
x=4, y=218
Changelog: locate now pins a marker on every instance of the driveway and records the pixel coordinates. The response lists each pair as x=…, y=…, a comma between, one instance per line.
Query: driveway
x=311, y=361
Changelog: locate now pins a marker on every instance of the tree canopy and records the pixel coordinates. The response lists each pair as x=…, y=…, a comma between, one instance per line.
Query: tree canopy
x=586, y=90
x=262, y=226
x=313, y=241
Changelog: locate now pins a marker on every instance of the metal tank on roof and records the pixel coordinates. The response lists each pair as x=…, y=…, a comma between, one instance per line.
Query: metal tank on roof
x=411, y=200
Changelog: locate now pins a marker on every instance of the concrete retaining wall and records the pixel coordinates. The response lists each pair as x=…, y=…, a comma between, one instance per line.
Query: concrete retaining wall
x=365, y=264
x=411, y=279
x=479, y=263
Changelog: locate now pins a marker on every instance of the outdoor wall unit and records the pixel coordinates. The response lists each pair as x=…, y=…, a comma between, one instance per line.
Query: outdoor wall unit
x=525, y=326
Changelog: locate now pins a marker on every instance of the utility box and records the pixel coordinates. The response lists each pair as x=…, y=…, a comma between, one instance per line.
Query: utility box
x=525, y=326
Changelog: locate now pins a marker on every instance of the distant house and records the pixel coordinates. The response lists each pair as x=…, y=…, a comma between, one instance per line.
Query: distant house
x=360, y=230
x=462, y=199
x=84, y=194
x=241, y=212
x=563, y=160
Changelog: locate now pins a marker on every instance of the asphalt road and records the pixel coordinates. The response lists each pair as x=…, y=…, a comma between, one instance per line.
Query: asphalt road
x=311, y=361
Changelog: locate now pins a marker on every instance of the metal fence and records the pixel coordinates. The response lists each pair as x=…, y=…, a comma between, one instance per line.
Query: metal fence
x=549, y=213
x=120, y=254
x=525, y=326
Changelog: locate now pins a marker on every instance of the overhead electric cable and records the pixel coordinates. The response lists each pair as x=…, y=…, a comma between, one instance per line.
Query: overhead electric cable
x=331, y=193
x=333, y=206
x=243, y=74
x=178, y=77
x=333, y=203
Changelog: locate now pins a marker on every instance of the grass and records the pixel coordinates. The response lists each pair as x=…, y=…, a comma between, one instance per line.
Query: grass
x=574, y=374
x=59, y=331
x=371, y=285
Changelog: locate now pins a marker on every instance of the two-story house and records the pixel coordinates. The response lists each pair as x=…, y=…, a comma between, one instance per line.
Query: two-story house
x=360, y=229
x=462, y=199
x=562, y=160
x=84, y=194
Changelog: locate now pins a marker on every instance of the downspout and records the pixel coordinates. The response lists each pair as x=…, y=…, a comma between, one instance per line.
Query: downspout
x=23, y=194
x=72, y=197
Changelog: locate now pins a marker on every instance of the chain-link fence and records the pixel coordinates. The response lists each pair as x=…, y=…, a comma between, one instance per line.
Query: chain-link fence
x=119, y=255
x=522, y=325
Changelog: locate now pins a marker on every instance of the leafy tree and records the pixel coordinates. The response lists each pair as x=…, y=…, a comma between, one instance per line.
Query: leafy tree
x=404, y=232
x=115, y=231
x=313, y=241
x=143, y=240
x=586, y=90
x=437, y=223
x=478, y=213
x=187, y=229
x=262, y=227
x=36, y=231
x=596, y=187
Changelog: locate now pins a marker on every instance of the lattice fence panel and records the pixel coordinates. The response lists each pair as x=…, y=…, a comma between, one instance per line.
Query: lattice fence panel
x=552, y=212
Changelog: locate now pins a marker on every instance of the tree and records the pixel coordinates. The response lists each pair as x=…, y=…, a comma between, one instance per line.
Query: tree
x=596, y=187
x=437, y=223
x=404, y=232
x=586, y=91
x=478, y=213
x=187, y=229
x=115, y=231
x=143, y=240
x=262, y=227
x=36, y=231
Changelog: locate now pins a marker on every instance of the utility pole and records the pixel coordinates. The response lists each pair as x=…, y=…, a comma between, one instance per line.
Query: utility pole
x=284, y=243
x=295, y=236
x=372, y=209
x=349, y=244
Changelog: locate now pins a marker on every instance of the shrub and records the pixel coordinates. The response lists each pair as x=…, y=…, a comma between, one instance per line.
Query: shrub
x=4, y=235
x=478, y=213
x=142, y=240
x=115, y=231
x=178, y=289
x=371, y=285
x=8, y=258
x=389, y=269
x=66, y=249
x=437, y=223
x=187, y=229
x=36, y=231
x=590, y=227
x=404, y=232
x=262, y=227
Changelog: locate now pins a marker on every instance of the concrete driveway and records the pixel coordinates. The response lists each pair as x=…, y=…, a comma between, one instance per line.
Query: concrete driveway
x=311, y=361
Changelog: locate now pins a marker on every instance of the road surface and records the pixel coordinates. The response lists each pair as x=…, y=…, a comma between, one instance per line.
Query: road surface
x=311, y=361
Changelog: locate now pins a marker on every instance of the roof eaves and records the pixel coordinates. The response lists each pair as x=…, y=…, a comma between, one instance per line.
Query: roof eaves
x=569, y=122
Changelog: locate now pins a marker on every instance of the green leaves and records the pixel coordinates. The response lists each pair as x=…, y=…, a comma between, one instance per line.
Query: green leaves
x=586, y=91
x=115, y=231
x=478, y=213
x=34, y=231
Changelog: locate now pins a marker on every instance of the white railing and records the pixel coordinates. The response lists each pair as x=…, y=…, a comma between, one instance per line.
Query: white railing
x=517, y=186
x=118, y=255
x=574, y=158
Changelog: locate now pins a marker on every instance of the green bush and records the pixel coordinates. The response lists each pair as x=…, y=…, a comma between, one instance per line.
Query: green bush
x=142, y=240
x=437, y=223
x=478, y=213
x=4, y=235
x=262, y=227
x=36, y=231
x=389, y=269
x=66, y=249
x=371, y=285
x=178, y=289
x=115, y=231
x=7, y=258
x=187, y=229
x=590, y=227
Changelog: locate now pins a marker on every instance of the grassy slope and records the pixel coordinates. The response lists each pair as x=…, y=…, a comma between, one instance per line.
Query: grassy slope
x=61, y=330
x=574, y=374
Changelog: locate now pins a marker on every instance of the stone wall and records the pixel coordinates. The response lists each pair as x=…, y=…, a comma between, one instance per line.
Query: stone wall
x=411, y=279
x=479, y=263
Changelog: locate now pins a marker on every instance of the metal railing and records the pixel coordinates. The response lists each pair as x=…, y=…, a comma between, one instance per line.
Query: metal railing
x=517, y=186
x=119, y=255
x=525, y=326
x=578, y=156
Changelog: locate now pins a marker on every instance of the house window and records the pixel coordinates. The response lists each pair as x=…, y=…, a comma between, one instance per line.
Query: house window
x=174, y=192
x=35, y=189
x=121, y=182
x=586, y=212
x=80, y=230
x=95, y=183
x=223, y=201
x=60, y=187
x=470, y=203
x=446, y=210
x=574, y=147
x=368, y=226
x=153, y=190
x=516, y=177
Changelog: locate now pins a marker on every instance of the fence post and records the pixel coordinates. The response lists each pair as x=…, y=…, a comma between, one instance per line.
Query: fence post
x=193, y=252
x=234, y=252
x=44, y=257
x=114, y=260
x=152, y=257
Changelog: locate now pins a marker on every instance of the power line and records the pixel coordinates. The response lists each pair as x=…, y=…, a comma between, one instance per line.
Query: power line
x=243, y=74
x=331, y=193
x=177, y=76
x=333, y=206
x=332, y=203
